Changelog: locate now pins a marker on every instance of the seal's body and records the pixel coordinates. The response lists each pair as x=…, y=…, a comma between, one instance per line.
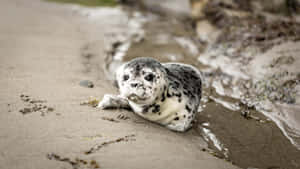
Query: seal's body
x=168, y=94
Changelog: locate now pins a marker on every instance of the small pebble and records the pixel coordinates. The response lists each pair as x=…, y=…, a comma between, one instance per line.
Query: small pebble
x=245, y=114
x=50, y=109
x=93, y=162
x=83, y=161
x=86, y=83
x=26, y=110
x=36, y=108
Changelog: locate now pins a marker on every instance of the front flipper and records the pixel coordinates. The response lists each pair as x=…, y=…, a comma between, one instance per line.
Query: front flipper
x=113, y=102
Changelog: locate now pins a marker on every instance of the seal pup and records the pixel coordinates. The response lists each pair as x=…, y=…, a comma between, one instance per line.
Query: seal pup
x=168, y=94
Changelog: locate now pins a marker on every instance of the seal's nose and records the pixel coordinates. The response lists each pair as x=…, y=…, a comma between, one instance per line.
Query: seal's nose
x=134, y=84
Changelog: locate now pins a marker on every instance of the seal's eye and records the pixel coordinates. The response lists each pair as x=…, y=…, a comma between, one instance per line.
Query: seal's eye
x=149, y=77
x=125, y=77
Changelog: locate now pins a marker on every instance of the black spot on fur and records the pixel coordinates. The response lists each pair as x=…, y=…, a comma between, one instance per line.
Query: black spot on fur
x=177, y=95
x=176, y=118
x=179, y=99
x=125, y=77
x=188, y=108
x=146, y=109
x=156, y=109
x=176, y=84
x=163, y=97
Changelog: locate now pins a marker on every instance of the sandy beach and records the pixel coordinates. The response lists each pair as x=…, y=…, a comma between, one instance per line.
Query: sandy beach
x=46, y=51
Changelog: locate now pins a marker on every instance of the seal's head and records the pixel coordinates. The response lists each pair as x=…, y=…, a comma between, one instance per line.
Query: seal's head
x=141, y=80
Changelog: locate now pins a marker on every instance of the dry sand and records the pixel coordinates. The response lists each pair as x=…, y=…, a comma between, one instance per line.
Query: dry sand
x=41, y=48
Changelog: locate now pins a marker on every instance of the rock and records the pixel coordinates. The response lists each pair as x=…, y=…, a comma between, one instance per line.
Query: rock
x=86, y=83
x=50, y=109
x=26, y=110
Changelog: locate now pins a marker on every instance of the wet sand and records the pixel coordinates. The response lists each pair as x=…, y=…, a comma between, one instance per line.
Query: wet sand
x=47, y=50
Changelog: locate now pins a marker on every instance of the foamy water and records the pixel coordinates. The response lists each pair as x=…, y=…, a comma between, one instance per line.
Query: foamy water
x=286, y=116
